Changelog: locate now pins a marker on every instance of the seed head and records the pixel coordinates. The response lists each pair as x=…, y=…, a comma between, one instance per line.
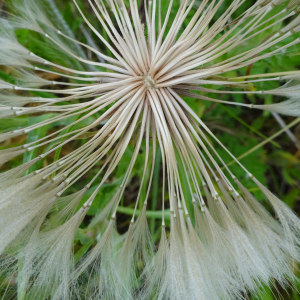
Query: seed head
x=217, y=241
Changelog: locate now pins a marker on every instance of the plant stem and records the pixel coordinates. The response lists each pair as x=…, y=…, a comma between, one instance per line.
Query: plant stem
x=247, y=125
x=296, y=121
x=155, y=188
x=154, y=214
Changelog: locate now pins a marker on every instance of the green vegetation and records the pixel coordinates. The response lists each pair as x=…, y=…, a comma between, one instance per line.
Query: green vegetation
x=276, y=164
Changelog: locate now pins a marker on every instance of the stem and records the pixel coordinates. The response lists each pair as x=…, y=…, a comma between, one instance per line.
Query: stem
x=248, y=126
x=157, y=214
x=296, y=121
x=155, y=189
x=58, y=151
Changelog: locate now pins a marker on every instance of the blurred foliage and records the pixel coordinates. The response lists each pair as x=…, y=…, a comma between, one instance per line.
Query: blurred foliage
x=276, y=165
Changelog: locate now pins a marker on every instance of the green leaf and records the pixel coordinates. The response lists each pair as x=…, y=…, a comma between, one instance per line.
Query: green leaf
x=35, y=135
x=81, y=252
x=291, y=197
x=81, y=235
x=264, y=294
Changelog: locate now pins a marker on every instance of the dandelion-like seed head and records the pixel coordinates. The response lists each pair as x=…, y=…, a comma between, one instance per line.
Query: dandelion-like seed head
x=217, y=241
x=149, y=82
